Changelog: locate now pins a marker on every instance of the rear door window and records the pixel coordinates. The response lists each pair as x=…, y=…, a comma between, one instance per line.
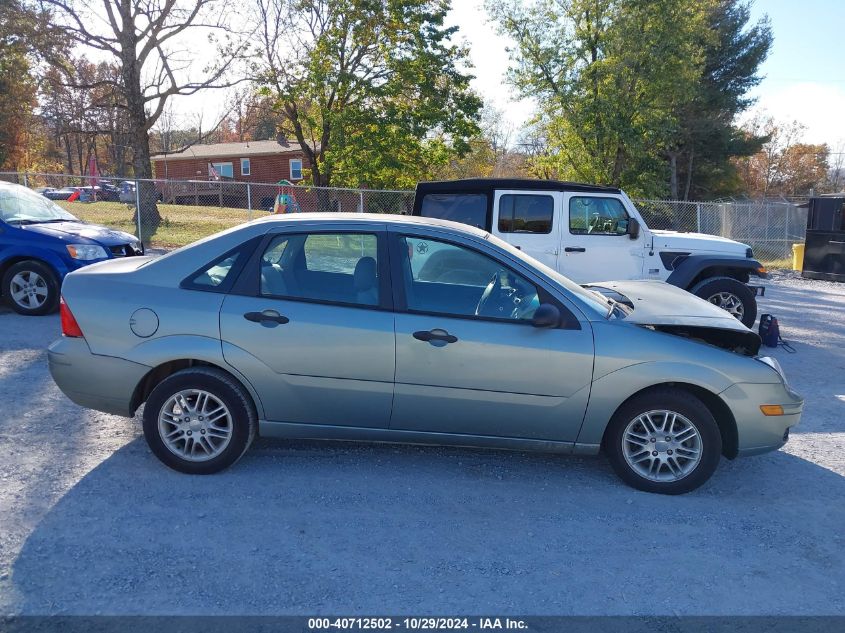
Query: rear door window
x=334, y=267
x=467, y=208
x=526, y=213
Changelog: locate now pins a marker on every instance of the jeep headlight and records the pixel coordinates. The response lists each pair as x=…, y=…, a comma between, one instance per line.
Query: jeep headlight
x=774, y=364
x=87, y=252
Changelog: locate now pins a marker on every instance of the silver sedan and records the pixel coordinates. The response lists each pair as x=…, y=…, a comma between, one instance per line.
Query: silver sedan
x=387, y=328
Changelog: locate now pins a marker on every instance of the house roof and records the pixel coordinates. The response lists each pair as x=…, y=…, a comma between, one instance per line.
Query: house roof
x=241, y=148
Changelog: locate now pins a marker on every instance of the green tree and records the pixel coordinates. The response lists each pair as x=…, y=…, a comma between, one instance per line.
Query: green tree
x=27, y=39
x=610, y=77
x=372, y=89
x=701, y=162
x=785, y=165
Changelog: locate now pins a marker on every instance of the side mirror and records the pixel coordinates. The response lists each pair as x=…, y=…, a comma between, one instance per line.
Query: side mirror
x=633, y=228
x=546, y=316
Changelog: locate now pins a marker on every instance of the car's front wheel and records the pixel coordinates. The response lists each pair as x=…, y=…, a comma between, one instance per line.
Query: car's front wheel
x=31, y=288
x=199, y=421
x=664, y=441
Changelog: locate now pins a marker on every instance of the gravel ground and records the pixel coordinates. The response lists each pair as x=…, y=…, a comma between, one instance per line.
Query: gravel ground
x=91, y=522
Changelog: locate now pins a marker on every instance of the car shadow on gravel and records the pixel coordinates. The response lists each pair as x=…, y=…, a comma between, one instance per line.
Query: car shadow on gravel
x=328, y=527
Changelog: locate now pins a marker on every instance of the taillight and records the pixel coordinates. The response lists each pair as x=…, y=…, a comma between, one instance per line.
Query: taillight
x=69, y=325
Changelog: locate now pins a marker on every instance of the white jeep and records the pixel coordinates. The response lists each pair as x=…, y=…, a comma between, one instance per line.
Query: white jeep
x=591, y=234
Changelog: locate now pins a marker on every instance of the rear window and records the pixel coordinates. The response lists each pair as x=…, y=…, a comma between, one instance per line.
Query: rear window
x=216, y=273
x=467, y=208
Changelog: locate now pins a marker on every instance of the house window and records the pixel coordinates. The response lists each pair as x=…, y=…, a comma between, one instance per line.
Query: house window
x=221, y=170
x=296, y=169
x=244, y=167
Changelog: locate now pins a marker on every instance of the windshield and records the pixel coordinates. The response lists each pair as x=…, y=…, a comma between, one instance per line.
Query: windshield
x=595, y=300
x=22, y=205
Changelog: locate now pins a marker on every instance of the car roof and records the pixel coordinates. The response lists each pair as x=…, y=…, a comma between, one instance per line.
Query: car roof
x=484, y=185
x=371, y=218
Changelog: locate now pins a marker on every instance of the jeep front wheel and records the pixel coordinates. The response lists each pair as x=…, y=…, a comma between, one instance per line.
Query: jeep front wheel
x=731, y=295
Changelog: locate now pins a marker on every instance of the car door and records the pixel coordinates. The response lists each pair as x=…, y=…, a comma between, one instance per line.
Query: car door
x=529, y=221
x=469, y=366
x=310, y=325
x=596, y=244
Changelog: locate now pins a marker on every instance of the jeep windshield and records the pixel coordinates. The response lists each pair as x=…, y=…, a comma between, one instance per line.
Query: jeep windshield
x=19, y=205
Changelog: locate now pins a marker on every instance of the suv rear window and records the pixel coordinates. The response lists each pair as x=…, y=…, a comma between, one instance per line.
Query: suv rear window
x=467, y=208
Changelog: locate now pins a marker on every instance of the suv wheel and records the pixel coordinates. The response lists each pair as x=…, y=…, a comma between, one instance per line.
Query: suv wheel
x=731, y=295
x=664, y=441
x=31, y=288
x=199, y=421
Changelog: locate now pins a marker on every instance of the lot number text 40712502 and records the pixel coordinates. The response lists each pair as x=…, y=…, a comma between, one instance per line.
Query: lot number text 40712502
x=416, y=623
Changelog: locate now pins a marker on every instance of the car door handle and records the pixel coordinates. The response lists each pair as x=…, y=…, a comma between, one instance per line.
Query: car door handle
x=435, y=335
x=267, y=318
x=575, y=249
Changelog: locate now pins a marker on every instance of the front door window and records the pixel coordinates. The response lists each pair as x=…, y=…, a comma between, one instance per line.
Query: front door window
x=444, y=278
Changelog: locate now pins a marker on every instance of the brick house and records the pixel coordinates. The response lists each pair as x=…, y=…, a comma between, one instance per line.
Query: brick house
x=248, y=161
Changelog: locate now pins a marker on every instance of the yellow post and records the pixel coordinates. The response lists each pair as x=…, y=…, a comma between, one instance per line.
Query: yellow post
x=798, y=257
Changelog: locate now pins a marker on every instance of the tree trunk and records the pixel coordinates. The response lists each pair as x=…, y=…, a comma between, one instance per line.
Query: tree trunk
x=147, y=216
x=688, y=186
x=150, y=218
x=673, y=175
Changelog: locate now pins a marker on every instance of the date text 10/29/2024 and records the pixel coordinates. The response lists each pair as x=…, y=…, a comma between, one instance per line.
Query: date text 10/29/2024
x=421, y=623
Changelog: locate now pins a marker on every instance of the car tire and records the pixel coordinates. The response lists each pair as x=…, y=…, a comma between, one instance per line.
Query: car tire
x=730, y=294
x=37, y=277
x=199, y=444
x=645, y=460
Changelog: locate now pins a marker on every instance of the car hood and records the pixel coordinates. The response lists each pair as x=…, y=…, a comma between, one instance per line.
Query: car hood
x=71, y=229
x=697, y=243
x=669, y=309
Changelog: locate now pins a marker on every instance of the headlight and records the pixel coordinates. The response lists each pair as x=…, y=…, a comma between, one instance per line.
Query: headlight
x=771, y=362
x=87, y=252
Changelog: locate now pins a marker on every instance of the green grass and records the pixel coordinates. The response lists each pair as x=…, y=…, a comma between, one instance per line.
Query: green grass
x=180, y=224
x=774, y=264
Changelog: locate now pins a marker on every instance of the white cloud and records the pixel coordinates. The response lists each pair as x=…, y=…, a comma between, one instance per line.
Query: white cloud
x=819, y=106
x=489, y=56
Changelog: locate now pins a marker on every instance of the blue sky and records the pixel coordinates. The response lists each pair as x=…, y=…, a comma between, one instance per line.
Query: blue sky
x=805, y=70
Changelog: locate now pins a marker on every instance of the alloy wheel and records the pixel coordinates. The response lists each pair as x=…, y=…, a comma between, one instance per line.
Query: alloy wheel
x=728, y=302
x=195, y=425
x=29, y=289
x=662, y=446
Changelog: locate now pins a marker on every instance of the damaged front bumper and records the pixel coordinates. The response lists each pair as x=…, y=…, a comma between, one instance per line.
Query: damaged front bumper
x=757, y=432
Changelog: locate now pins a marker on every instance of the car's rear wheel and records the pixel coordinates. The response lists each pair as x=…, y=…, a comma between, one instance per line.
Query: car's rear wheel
x=31, y=288
x=731, y=295
x=199, y=421
x=665, y=441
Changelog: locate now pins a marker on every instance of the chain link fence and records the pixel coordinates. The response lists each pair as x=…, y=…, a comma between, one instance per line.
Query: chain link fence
x=177, y=212
x=770, y=228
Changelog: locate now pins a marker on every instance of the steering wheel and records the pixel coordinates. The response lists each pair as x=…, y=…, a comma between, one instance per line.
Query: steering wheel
x=497, y=300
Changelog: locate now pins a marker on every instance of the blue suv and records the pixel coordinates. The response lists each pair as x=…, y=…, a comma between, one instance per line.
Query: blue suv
x=40, y=243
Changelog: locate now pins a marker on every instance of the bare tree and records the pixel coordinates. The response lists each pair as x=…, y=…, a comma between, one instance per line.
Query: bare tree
x=146, y=39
